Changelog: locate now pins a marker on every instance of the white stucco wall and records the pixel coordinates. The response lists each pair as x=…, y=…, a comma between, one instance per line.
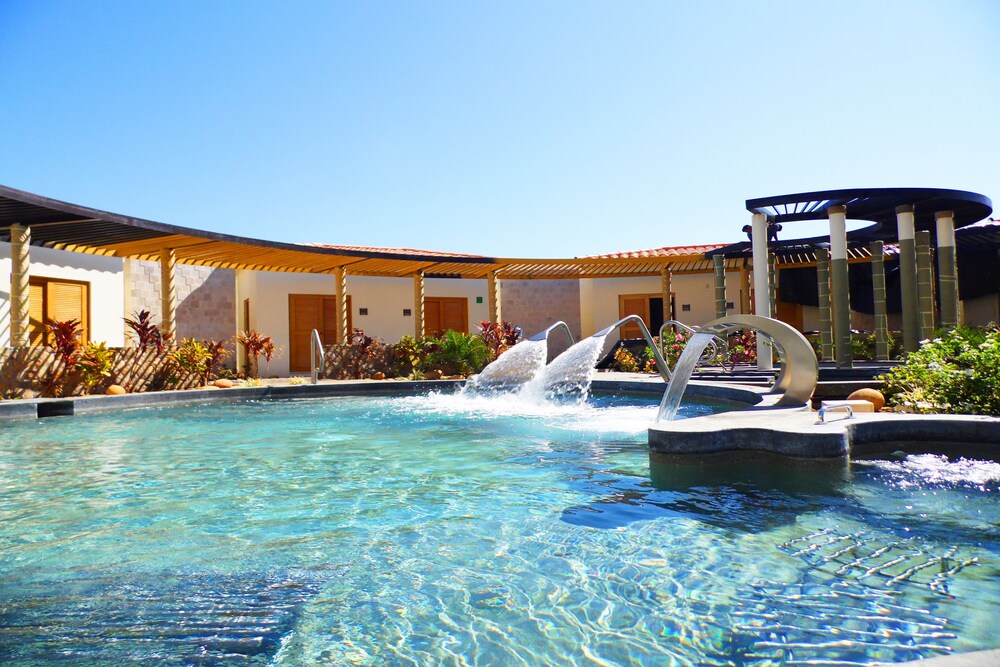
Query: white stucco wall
x=385, y=299
x=107, y=288
x=599, y=297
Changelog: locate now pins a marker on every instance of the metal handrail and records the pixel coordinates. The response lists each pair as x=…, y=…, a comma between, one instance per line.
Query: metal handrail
x=834, y=407
x=315, y=347
x=661, y=365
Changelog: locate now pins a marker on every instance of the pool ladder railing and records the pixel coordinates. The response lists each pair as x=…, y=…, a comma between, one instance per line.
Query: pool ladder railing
x=315, y=351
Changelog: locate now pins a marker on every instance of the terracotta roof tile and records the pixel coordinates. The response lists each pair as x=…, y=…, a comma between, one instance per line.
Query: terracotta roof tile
x=394, y=251
x=669, y=251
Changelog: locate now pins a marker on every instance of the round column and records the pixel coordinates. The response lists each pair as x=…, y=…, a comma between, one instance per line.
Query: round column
x=418, y=305
x=665, y=278
x=343, y=335
x=20, y=290
x=947, y=268
x=908, y=277
x=168, y=292
x=491, y=288
x=841, y=286
x=762, y=304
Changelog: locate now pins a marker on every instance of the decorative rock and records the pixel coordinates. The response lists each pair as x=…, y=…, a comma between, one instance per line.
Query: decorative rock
x=378, y=376
x=873, y=396
x=433, y=374
x=115, y=390
x=223, y=383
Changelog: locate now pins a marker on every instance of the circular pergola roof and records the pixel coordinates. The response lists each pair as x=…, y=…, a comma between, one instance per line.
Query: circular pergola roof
x=877, y=205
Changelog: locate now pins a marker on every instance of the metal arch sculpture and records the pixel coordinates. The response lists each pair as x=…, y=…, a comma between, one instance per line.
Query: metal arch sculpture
x=797, y=379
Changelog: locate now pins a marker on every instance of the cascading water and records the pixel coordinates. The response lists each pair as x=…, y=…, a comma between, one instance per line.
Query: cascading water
x=512, y=370
x=521, y=373
x=682, y=374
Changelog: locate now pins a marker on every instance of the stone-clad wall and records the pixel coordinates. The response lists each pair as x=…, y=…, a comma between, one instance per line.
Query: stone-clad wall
x=535, y=304
x=206, y=298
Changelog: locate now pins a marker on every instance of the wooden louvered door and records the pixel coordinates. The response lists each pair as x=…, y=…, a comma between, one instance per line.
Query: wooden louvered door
x=442, y=313
x=57, y=301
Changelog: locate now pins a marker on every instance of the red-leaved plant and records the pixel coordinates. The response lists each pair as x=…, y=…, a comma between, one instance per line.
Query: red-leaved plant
x=147, y=334
x=499, y=337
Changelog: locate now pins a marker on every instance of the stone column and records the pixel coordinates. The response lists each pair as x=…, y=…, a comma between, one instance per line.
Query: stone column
x=20, y=291
x=908, y=277
x=343, y=335
x=762, y=304
x=825, y=317
x=878, y=289
x=494, y=301
x=925, y=284
x=841, y=286
x=168, y=292
x=719, y=263
x=772, y=282
x=947, y=268
x=665, y=279
x=418, y=304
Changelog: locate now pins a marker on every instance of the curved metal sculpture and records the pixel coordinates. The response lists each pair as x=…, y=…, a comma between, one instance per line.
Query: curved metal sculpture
x=661, y=365
x=544, y=335
x=797, y=379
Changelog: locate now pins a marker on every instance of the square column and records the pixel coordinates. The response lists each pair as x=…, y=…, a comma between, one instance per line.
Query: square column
x=719, y=264
x=947, y=268
x=908, y=277
x=925, y=284
x=825, y=312
x=878, y=296
x=841, y=286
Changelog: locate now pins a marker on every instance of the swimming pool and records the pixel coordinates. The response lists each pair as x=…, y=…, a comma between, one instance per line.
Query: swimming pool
x=451, y=530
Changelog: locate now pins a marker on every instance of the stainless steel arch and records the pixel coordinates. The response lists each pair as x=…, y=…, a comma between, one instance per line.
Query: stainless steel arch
x=797, y=379
x=661, y=365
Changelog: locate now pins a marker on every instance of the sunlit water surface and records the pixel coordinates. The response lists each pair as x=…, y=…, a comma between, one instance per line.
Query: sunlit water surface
x=473, y=531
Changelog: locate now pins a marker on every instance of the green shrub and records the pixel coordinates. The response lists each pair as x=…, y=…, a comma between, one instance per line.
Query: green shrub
x=458, y=353
x=957, y=372
x=94, y=363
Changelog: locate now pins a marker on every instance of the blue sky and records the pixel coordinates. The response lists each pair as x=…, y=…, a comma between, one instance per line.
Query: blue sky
x=514, y=129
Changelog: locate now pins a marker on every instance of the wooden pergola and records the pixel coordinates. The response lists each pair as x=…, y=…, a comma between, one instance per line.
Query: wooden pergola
x=28, y=219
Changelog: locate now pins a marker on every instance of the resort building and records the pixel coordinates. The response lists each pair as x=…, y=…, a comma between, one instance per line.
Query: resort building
x=61, y=261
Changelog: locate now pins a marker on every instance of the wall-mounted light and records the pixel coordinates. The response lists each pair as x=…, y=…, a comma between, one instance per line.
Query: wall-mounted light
x=407, y=312
x=730, y=305
x=362, y=311
x=686, y=307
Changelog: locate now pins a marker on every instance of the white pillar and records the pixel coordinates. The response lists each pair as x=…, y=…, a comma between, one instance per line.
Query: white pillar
x=840, y=283
x=762, y=301
x=947, y=268
x=908, y=277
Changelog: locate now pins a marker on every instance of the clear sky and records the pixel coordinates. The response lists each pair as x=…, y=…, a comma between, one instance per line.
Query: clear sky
x=514, y=129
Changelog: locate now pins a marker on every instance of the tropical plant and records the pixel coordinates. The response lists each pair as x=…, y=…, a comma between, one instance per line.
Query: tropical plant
x=955, y=372
x=256, y=344
x=296, y=380
x=63, y=336
x=190, y=357
x=499, y=337
x=743, y=347
x=625, y=361
x=672, y=346
x=94, y=363
x=217, y=356
x=459, y=353
x=148, y=335
x=410, y=354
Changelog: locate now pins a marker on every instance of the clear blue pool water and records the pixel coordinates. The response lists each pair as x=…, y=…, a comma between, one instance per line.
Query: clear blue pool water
x=445, y=530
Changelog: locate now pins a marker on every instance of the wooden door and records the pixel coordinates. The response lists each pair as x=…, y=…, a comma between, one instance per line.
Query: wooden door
x=633, y=304
x=789, y=313
x=305, y=313
x=57, y=301
x=442, y=313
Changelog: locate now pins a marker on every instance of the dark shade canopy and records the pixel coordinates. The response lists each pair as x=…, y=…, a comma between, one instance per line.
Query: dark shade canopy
x=877, y=205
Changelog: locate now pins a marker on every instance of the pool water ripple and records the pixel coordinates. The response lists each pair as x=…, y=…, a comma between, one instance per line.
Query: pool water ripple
x=424, y=531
